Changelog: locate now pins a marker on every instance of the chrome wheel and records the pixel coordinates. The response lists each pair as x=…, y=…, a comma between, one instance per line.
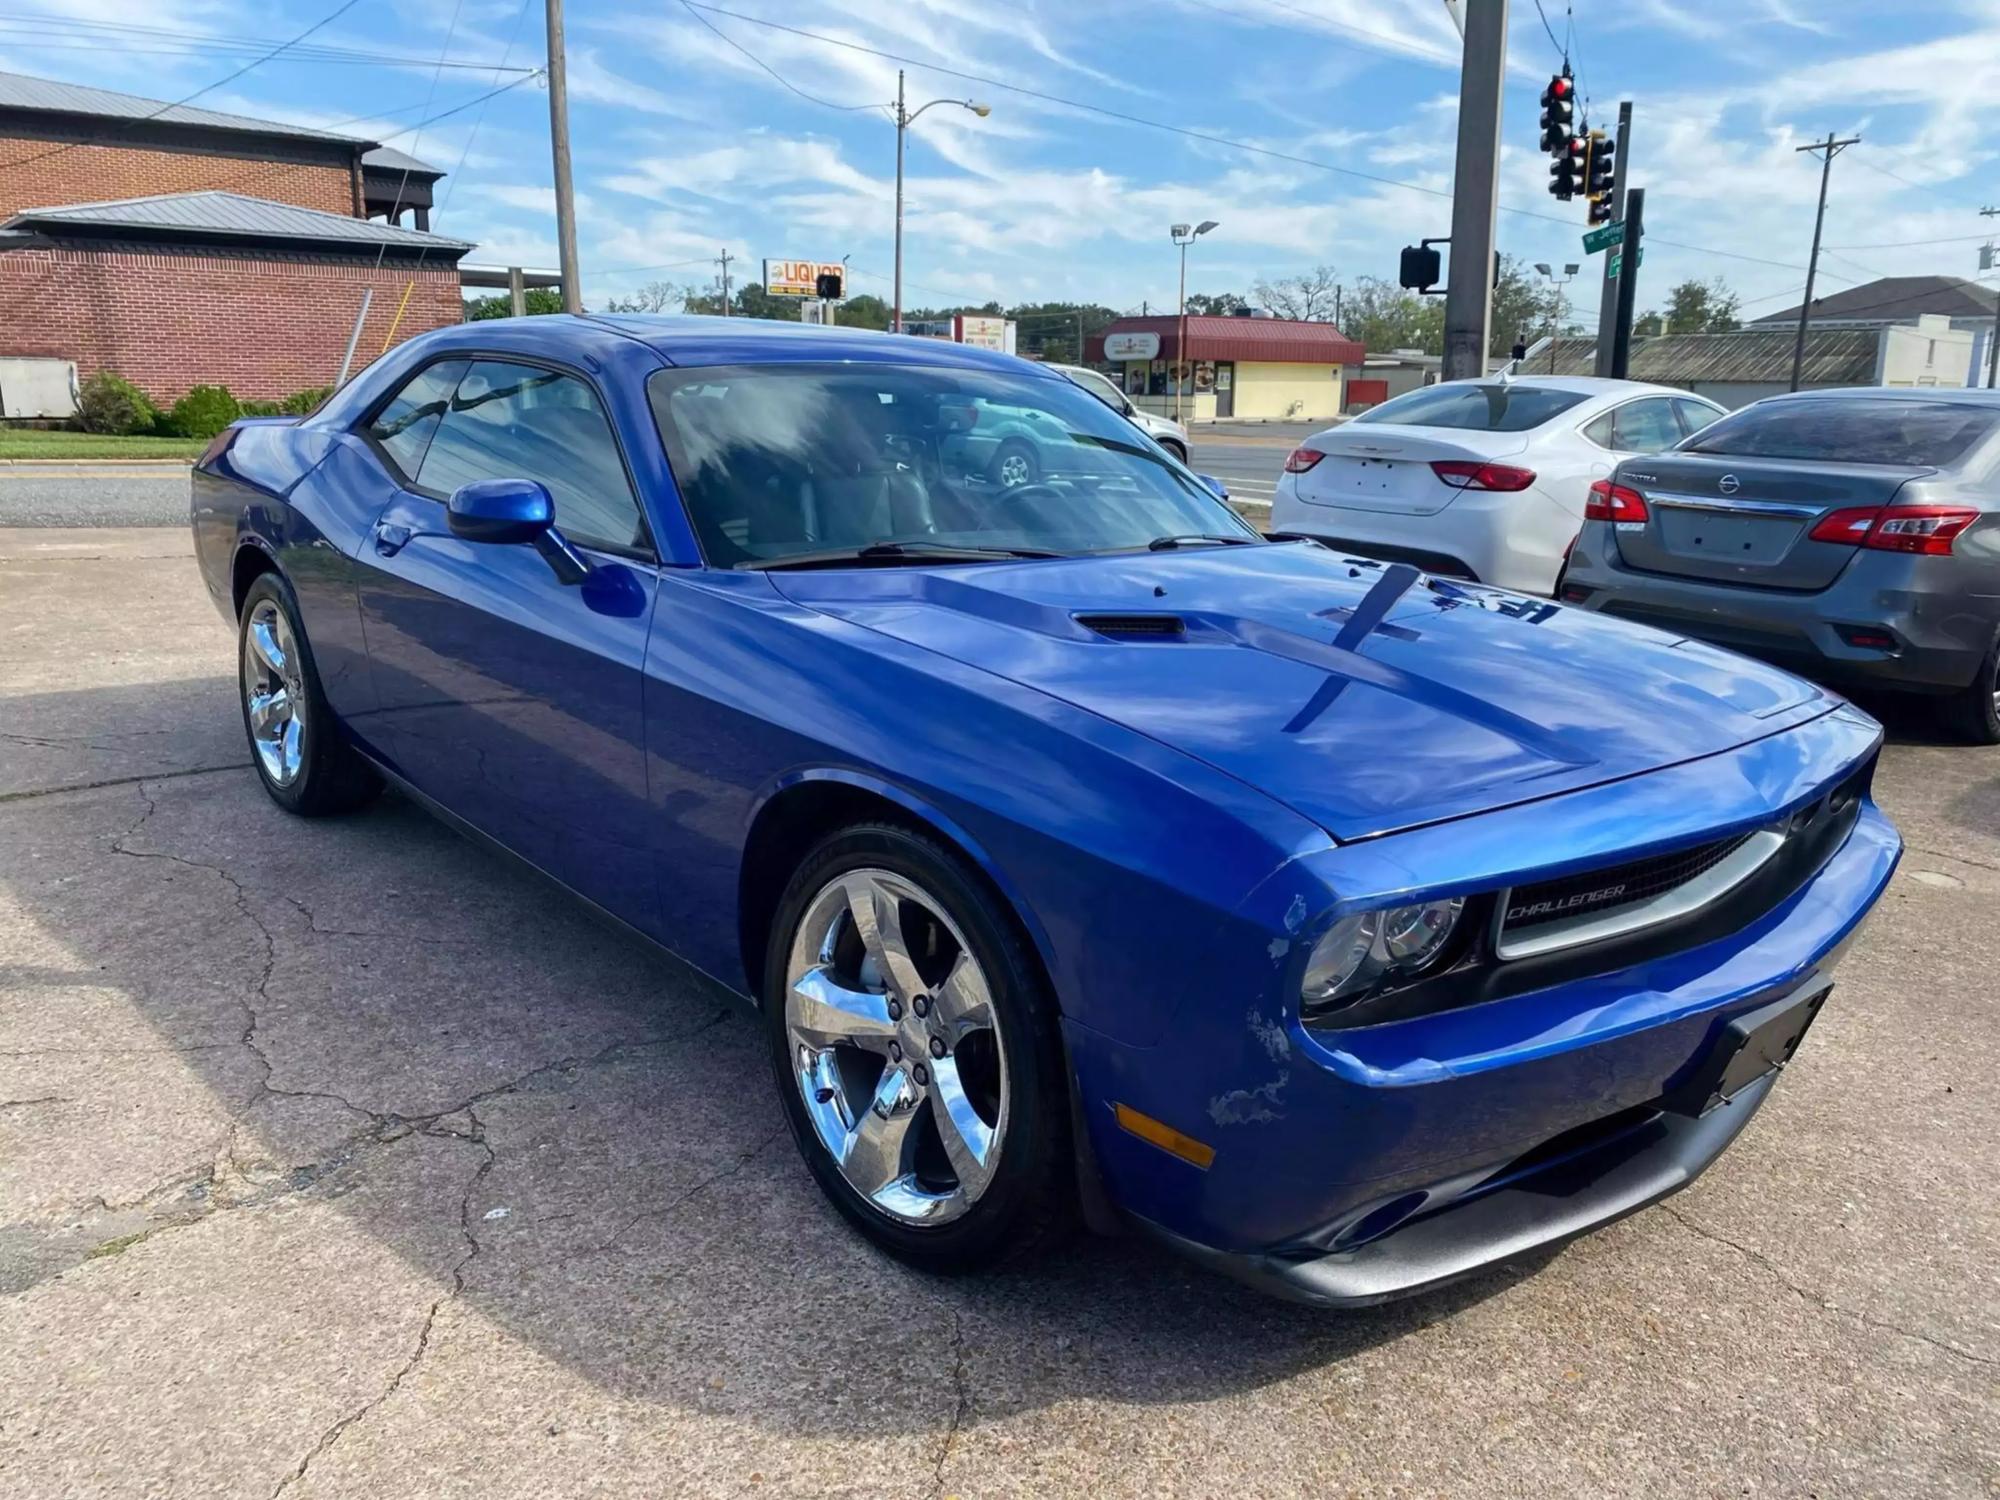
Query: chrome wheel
x=894, y=1045
x=1015, y=470
x=274, y=700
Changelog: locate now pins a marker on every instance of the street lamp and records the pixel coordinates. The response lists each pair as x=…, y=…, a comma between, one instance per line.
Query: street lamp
x=904, y=119
x=1570, y=269
x=1184, y=236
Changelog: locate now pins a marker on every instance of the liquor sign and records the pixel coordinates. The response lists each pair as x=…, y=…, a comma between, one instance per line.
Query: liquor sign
x=1131, y=346
x=797, y=278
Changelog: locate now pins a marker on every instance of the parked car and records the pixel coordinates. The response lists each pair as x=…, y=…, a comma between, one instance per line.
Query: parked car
x=1169, y=434
x=1853, y=535
x=1345, y=927
x=1482, y=479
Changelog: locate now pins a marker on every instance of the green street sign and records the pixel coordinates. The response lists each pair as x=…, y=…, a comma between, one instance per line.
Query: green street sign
x=1603, y=237
x=1617, y=258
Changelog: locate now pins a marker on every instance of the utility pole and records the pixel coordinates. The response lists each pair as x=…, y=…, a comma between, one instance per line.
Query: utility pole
x=902, y=127
x=1628, y=283
x=1993, y=343
x=1607, y=300
x=572, y=286
x=723, y=260
x=1832, y=148
x=1468, y=302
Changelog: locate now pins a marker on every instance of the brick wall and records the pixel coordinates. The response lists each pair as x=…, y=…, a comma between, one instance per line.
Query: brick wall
x=169, y=320
x=100, y=174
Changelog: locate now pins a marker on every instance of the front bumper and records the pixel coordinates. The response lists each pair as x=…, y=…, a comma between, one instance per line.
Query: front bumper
x=1942, y=634
x=1352, y=1165
x=1651, y=1160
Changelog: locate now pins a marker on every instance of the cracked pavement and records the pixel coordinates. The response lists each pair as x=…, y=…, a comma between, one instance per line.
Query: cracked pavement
x=343, y=1159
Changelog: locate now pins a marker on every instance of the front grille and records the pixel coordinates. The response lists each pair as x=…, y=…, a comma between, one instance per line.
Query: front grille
x=1596, y=892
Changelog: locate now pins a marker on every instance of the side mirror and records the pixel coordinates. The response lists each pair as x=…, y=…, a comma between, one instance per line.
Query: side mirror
x=1220, y=490
x=510, y=512
x=504, y=511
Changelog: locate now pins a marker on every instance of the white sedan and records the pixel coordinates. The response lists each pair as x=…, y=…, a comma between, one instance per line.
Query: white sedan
x=1483, y=479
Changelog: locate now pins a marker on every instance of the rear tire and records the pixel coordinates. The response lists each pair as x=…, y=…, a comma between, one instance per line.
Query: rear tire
x=295, y=741
x=1973, y=713
x=882, y=1039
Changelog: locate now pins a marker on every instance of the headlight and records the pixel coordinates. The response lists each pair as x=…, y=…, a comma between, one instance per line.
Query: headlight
x=1362, y=950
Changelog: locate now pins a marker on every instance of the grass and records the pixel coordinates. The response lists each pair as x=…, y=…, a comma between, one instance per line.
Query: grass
x=33, y=442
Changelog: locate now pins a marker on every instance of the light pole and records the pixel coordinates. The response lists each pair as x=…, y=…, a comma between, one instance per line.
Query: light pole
x=904, y=119
x=1184, y=236
x=1555, y=322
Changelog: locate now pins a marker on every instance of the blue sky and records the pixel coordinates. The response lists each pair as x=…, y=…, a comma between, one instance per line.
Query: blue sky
x=684, y=145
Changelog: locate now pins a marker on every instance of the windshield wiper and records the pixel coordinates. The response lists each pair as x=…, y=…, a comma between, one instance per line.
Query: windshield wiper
x=917, y=552
x=1187, y=538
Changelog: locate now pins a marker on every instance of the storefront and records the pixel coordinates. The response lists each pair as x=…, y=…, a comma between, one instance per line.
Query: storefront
x=1246, y=369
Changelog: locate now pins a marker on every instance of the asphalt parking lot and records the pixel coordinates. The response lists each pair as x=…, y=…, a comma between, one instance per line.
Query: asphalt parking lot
x=341, y=1158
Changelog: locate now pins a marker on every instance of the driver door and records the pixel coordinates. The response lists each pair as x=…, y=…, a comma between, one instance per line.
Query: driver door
x=509, y=697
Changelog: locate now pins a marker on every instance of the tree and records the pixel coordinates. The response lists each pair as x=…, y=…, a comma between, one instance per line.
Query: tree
x=539, y=299
x=1703, y=307
x=1216, y=304
x=1309, y=298
x=653, y=297
x=1049, y=330
x=1521, y=307
x=1380, y=316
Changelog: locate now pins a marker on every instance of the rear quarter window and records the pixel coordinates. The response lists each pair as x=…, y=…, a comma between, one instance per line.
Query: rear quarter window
x=1849, y=430
x=1473, y=406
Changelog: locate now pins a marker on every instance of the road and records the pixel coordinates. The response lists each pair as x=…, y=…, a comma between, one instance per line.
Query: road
x=340, y=1158
x=1244, y=458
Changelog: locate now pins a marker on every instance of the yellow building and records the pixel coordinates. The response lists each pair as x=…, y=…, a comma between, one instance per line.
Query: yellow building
x=1240, y=369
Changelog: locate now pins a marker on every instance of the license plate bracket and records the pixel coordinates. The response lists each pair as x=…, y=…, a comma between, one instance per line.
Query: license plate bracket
x=1748, y=1048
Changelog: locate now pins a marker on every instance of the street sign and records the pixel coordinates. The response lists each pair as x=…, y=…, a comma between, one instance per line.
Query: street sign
x=1603, y=237
x=1617, y=257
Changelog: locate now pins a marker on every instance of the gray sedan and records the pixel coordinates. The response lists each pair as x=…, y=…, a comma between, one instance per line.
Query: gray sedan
x=1853, y=534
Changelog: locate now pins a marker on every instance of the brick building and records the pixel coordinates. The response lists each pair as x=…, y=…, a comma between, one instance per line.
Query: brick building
x=179, y=246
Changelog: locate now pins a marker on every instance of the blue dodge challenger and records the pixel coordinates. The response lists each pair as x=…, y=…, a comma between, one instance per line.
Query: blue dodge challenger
x=1088, y=854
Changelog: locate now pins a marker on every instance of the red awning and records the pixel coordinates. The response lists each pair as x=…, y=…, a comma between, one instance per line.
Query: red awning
x=1273, y=340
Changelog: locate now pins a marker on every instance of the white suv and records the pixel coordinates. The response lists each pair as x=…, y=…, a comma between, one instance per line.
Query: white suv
x=1169, y=435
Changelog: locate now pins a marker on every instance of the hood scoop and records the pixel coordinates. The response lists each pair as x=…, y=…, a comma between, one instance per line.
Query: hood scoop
x=1130, y=627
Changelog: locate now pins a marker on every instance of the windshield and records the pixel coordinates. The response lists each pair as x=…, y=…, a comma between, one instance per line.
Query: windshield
x=1848, y=430
x=1474, y=406
x=783, y=461
x=1098, y=386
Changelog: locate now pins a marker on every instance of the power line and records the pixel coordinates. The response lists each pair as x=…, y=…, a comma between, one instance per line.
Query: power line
x=451, y=188
x=326, y=20
x=96, y=35
x=1182, y=130
x=1963, y=239
x=786, y=82
x=402, y=182
x=1561, y=50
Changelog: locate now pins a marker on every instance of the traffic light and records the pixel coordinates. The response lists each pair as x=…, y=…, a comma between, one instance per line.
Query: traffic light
x=1558, y=111
x=1568, y=171
x=1422, y=268
x=1600, y=177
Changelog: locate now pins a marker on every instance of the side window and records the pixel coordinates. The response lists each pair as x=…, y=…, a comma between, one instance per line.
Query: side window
x=1695, y=415
x=510, y=421
x=1646, y=426
x=406, y=425
x=1599, y=431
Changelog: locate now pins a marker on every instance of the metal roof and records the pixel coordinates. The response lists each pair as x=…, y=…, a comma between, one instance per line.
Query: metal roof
x=1834, y=356
x=19, y=91
x=1896, y=299
x=232, y=216
x=389, y=159
x=1273, y=340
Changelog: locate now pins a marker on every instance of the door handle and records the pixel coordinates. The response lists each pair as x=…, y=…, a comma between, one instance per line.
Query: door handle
x=389, y=538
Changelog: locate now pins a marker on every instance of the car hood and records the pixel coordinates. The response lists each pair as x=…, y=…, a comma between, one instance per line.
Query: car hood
x=1367, y=698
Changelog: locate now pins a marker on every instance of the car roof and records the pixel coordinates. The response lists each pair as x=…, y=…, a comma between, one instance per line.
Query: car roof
x=1957, y=394
x=1582, y=385
x=696, y=341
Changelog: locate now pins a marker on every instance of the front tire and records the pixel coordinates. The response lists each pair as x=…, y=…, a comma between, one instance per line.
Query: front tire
x=295, y=743
x=1973, y=713
x=916, y=1053
x=1180, y=454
